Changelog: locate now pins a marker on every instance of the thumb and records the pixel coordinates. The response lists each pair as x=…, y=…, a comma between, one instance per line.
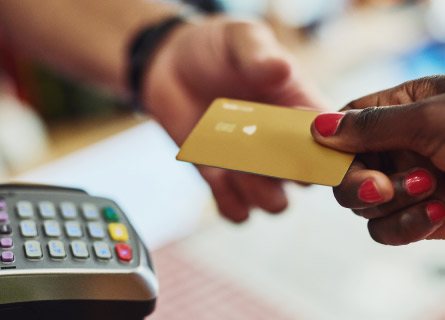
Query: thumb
x=417, y=127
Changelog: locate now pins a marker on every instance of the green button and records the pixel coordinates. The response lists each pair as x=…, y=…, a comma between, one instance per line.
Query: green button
x=110, y=214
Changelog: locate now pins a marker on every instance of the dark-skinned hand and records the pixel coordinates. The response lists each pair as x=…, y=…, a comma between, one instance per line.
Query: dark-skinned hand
x=397, y=179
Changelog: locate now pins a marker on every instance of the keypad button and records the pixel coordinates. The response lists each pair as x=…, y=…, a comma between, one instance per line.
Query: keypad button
x=102, y=250
x=33, y=250
x=96, y=230
x=79, y=249
x=68, y=210
x=2, y=205
x=4, y=216
x=47, y=210
x=52, y=228
x=6, y=243
x=7, y=256
x=123, y=252
x=73, y=229
x=110, y=214
x=118, y=232
x=90, y=211
x=5, y=229
x=25, y=209
x=56, y=249
x=28, y=228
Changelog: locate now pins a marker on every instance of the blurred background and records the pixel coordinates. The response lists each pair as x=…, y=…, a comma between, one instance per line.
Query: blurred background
x=316, y=260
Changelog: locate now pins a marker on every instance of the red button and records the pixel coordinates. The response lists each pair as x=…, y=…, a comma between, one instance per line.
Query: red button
x=123, y=251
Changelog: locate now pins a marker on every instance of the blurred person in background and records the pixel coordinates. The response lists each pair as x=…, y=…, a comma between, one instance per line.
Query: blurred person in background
x=188, y=64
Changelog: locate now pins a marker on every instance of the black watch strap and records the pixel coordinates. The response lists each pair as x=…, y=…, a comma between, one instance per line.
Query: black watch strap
x=140, y=51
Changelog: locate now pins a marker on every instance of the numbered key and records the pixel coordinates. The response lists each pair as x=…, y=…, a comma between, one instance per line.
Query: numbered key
x=73, y=229
x=96, y=230
x=79, y=249
x=25, y=209
x=56, y=249
x=102, y=250
x=52, y=228
x=33, y=250
x=68, y=210
x=28, y=228
x=47, y=210
x=90, y=211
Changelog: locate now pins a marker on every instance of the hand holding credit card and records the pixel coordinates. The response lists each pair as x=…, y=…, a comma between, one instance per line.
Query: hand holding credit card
x=263, y=139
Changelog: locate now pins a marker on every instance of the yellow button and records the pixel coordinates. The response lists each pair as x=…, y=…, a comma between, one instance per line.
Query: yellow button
x=118, y=232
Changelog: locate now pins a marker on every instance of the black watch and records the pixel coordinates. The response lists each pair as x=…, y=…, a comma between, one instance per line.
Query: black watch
x=140, y=51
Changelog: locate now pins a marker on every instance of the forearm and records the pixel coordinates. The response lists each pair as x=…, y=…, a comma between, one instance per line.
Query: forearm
x=86, y=39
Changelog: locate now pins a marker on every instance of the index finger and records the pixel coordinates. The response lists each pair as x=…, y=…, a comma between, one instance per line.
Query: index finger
x=405, y=93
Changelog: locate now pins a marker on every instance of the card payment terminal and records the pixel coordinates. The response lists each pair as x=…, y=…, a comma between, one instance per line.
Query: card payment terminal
x=67, y=255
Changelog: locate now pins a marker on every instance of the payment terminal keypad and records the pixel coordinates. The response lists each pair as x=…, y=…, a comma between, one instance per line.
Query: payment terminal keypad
x=52, y=230
x=67, y=255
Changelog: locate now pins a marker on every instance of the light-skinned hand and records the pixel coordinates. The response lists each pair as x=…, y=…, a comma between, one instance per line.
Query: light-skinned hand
x=213, y=58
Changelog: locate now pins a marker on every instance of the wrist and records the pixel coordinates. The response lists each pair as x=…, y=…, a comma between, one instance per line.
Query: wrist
x=143, y=51
x=163, y=64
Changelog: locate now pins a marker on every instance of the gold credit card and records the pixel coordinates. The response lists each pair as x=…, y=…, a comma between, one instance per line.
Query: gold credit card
x=263, y=139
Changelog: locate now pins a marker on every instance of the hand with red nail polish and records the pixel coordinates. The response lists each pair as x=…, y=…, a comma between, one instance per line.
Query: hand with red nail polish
x=397, y=180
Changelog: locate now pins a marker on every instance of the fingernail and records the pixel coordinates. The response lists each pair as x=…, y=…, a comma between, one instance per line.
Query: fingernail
x=436, y=211
x=367, y=192
x=327, y=123
x=418, y=182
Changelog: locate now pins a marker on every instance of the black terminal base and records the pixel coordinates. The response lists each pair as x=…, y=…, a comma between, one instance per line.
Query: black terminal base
x=77, y=310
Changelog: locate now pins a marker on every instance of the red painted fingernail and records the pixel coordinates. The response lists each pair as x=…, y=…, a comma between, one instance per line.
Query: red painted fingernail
x=368, y=192
x=327, y=123
x=418, y=182
x=436, y=211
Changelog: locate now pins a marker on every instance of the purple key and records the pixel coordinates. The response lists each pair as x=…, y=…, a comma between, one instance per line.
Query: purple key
x=7, y=256
x=4, y=216
x=6, y=242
